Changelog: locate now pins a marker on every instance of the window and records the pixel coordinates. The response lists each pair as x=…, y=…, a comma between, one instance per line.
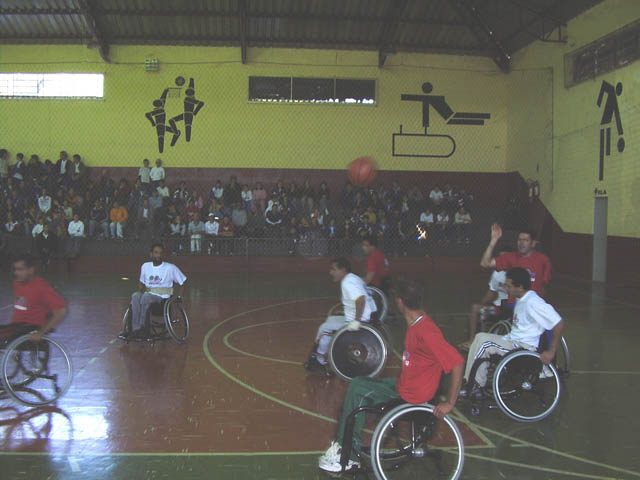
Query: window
x=311, y=90
x=61, y=85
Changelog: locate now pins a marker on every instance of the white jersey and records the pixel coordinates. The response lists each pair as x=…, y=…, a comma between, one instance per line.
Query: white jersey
x=497, y=284
x=353, y=287
x=163, y=276
x=531, y=317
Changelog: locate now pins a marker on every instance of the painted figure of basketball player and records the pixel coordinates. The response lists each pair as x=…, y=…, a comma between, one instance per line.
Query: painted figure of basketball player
x=191, y=108
x=158, y=117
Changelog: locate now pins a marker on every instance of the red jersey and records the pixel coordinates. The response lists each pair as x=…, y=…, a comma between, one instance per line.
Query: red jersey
x=537, y=264
x=426, y=355
x=33, y=301
x=378, y=265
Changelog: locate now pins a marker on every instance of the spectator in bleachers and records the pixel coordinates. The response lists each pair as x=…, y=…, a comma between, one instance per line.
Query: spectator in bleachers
x=196, y=230
x=4, y=165
x=323, y=197
x=274, y=218
x=163, y=190
x=442, y=226
x=156, y=201
x=78, y=170
x=463, y=226
x=247, y=197
x=427, y=221
x=67, y=210
x=144, y=218
x=76, y=234
x=121, y=195
x=118, y=217
x=211, y=232
x=232, y=192
x=217, y=191
x=259, y=202
x=197, y=199
x=44, y=202
x=20, y=168
x=239, y=218
x=11, y=226
x=190, y=211
x=308, y=197
x=227, y=231
x=415, y=198
x=34, y=168
x=180, y=196
x=63, y=165
x=46, y=244
x=278, y=190
x=436, y=196
x=98, y=220
x=32, y=222
x=157, y=173
x=177, y=233
x=144, y=174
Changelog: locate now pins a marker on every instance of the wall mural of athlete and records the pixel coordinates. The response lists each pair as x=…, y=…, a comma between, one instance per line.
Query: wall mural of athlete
x=191, y=107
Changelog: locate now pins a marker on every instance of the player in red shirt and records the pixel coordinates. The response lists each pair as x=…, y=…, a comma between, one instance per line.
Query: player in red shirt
x=537, y=264
x=34, y=300
x=377, y=265
x=427, y=354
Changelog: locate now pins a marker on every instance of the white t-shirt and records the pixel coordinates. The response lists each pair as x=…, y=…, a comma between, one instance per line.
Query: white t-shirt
x=163, y=191
x=443, y=218
x=157, y=174
x=424, y=218
x=497, y=284
x=144, y=174
x=436, y=197
x=247, y=196
x=162, y=276
x=531, y=317
x=76, y=229
x=211, y=228
x=218, y=192
x=353, y=287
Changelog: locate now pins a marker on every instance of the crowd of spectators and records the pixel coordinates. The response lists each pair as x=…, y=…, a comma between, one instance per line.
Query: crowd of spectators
x=58, y=204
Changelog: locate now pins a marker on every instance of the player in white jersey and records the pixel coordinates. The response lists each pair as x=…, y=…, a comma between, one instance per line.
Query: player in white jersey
x=157, y=278
x=358, y=307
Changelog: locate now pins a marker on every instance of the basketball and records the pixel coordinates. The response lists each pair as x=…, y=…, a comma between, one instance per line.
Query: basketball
x=362, y=171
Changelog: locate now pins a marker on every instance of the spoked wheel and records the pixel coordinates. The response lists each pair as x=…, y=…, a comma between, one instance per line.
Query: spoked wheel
x=362, y=353
x=563, y=359
x=500, y=328
x=176, y=320
x=381, y=303
x=36, y=373
x=525, y=389
x=336, y=310
x=127, y=320
x=410, y=442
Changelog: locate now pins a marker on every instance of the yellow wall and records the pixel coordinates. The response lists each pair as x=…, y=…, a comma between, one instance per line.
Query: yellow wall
x=568, y=187
x=230, y=131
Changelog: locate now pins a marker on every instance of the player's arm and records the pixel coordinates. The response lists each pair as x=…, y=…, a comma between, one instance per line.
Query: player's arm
x=487, y=260
x=547, y=356
x=355, y=324
x=445, y=407
x=142, y=287
x=489, y=297
x=369, y=277
x=55, y=318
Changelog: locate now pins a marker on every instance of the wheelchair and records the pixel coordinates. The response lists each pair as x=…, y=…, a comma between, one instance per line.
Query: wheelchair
x=380, y=315
x=518, y=383
x=35, y=374
x=164, y=319
x=407, y=442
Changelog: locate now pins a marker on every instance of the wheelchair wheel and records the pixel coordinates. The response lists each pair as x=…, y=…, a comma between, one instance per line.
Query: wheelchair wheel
x=525, y=389
x=563, y=359
x=127, y=319
x=176, y=320
x=500, y=328
x=410, y=442
x=362, y=353
x=381, y=303
x=36, y=374
x=337, y=309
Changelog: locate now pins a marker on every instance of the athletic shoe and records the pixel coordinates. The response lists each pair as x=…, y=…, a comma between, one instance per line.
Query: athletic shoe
x=546, y=372
x=474, y=392
x=330, y=461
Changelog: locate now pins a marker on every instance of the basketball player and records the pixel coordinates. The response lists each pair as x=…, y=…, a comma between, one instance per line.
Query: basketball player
x=377, y=265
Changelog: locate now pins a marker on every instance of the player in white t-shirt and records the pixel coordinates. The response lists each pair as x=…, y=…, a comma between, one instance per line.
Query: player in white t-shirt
x=532, y=316
x=156, y=284
x=493, y=304
x=358, y=307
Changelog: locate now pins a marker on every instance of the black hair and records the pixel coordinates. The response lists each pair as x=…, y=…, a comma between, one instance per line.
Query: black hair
x=528, y=231
x=409, y=292
x=28, y=260
x=157, y=244
x=342, y=264
x=371, y=239
x=520, y=277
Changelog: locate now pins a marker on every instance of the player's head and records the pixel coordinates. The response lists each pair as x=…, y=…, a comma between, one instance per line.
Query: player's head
x=518, y=282
x=339, y=269
x=24, y=267
x=156, y=252
x=369, y=243
x=145, y=162
x=407, y=295
x=526, y=242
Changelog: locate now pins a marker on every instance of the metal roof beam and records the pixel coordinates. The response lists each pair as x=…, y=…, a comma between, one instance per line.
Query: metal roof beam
x=540, y=17
x=466, y=9
x=395, y=10
x=92, y=25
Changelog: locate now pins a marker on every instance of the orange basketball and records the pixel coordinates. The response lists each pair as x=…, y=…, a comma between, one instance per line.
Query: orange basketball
x=363, y=171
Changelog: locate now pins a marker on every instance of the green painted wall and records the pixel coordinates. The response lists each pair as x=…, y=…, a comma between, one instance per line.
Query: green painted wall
x=568, y=172
x=230, y=131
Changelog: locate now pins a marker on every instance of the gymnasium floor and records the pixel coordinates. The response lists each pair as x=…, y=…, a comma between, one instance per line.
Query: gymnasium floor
x=235, y=402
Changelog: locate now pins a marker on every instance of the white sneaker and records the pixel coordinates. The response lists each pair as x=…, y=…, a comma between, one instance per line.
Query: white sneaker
x=330, y=461
x=546, y=372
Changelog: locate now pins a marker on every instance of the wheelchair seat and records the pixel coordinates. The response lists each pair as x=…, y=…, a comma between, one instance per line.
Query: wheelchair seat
x=166, y=318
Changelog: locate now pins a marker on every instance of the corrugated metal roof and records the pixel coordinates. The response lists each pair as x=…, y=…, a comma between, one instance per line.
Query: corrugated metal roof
x=451, y=26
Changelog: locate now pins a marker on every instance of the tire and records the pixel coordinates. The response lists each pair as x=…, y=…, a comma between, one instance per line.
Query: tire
x=362, y=353
x=127, y=319
x=381, y=303
x=43, y=374
x=563, y=358
x=519, y=390
x=401, y=441
x=500, y=328
x=176, y=320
